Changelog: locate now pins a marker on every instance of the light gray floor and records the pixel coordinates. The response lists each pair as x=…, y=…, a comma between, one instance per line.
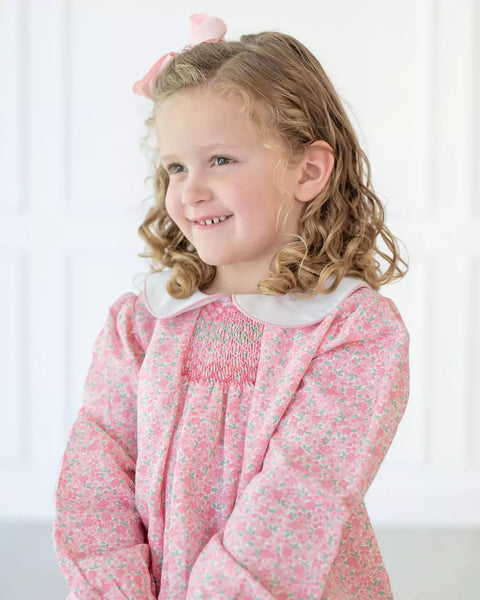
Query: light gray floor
x=28, y=567
x=431, y=564
x=422, y=564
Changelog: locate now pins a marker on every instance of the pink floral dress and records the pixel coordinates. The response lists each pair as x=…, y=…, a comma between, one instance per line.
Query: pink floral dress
x=224, y=447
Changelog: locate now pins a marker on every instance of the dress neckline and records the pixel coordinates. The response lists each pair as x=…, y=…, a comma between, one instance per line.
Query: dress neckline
x=284, y=311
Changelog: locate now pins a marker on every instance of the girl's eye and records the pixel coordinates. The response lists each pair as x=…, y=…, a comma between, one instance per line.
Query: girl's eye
x=222, y=158
x=175, y=168
x=172, y=169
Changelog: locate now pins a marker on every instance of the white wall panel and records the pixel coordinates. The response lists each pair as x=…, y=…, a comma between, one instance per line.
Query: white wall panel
x=94, y=280
x=425, y=496
x=12, y=89
x=449, y=365
x=14, y=369
x=411, y=296
x=72, y=185
x=105, y=166
x=474, y=364
x=388, y=85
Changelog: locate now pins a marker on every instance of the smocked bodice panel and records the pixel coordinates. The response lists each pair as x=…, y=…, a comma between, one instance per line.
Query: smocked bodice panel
x=225, y=345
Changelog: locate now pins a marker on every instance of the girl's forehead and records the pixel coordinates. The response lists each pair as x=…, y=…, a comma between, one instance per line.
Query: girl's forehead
x=201, y=100
x=199, y=111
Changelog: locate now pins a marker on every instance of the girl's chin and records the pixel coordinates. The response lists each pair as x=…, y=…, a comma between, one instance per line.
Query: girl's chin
x=211, y=261
x=214, y=257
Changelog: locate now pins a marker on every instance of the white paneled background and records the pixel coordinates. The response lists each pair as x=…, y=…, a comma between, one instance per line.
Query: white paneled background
x=72, y=195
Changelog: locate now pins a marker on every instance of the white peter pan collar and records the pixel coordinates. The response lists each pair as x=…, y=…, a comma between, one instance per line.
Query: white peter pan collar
x=276, y=310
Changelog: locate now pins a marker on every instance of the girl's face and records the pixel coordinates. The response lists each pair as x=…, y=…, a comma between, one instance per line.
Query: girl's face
x=222, y=194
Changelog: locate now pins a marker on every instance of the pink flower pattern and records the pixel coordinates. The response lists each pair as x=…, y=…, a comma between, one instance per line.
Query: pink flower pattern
x=216, y=456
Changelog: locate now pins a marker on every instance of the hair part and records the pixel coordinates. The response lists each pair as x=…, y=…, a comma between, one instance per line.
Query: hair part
x=340, y=229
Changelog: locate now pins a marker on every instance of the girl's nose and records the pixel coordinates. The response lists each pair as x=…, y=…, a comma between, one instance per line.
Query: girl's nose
x=196, y=190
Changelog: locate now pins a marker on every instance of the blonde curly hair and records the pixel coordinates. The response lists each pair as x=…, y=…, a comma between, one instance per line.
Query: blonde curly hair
x=339, y=229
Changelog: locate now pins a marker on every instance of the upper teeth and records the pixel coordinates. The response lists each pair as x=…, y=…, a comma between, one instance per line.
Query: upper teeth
x=212, y=221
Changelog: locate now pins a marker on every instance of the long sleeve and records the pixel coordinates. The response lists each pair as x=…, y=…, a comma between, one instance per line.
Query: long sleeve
x=99, y=537
x=284, y=535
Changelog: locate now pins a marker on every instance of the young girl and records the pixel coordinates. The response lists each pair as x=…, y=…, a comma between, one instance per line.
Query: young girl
x=237, y=410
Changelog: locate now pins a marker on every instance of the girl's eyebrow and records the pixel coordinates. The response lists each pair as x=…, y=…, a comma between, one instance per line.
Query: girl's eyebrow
x=206, y=147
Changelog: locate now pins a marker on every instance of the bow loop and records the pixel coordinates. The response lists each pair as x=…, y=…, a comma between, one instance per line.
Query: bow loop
x=143, y=86
x=203, y=28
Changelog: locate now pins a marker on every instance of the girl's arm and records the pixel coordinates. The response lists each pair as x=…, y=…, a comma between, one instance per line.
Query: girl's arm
x=285, y=532
x=99, y=537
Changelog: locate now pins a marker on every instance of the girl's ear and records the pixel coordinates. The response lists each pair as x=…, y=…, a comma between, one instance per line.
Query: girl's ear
x=314, y=170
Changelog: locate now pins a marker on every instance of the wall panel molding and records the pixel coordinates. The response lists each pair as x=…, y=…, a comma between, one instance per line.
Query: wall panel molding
x=14, y=366
x=474, y=148
x=14, y=68
x=453, y=106
x=474, y=363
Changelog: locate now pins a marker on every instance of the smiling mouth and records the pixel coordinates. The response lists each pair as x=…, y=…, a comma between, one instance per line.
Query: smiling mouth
x=212, y=221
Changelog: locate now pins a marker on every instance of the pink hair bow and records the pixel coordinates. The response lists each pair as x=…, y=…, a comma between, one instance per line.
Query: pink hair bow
x=203, y=28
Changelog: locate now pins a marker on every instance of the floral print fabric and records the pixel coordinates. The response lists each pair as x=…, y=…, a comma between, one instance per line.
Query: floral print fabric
x=215, y=456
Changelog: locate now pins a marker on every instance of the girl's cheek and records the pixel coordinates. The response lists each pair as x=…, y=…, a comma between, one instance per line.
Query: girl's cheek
x=169, y=205
x=174, y=210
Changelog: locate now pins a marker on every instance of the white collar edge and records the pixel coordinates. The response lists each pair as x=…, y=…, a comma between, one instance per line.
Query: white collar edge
x=271, y=310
